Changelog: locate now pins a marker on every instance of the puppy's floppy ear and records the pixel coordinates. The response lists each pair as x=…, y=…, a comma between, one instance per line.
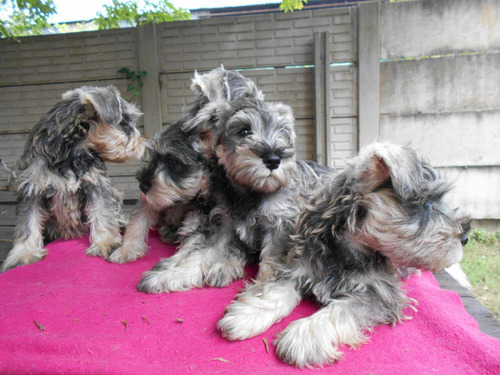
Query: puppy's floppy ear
x=104, y=101
x=396, y=164
x=375, y=173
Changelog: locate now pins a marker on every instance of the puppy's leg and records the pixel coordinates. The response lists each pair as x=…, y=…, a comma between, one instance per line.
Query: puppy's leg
x=201, y=259
x=275, y=246
x=170, y=223
x=257, y=308
x=28, y=238
x=104, y=216
x=315, y=340
x=134, y=241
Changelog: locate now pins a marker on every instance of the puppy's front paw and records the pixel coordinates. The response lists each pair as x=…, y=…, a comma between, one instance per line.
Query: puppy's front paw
x=303, y=346
x=243, y=321
x=257, y=308
x=126, y=254
x=100, y=250
x=20, y=257
x=222, y=274
x=168, y=277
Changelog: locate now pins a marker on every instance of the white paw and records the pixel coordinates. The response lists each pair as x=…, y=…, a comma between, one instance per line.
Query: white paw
x=257, y=308
x=100, y=250
x=20, y=256
x=222, y=274
x=168, y=277
x=243, y=321
x=126, y=254
x=304, y=344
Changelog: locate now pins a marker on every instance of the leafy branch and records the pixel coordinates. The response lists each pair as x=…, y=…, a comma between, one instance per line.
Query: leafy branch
x=25, y=17
x=136, y=84
x=291, y=5
x=129, y=13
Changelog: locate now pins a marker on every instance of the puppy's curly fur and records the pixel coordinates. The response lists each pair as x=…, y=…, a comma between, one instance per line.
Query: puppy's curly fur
x=175, y=183
x=386, y=210
x=256, y=185
x=61, y=181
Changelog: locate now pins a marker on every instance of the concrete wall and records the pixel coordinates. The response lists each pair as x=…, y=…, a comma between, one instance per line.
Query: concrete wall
x=422, y=72
x=276, y=50
x=440, y=91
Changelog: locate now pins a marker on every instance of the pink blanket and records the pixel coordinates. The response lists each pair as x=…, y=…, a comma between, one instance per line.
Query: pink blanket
x=73, y=314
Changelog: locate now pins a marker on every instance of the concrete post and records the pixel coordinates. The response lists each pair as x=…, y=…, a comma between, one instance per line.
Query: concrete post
x=322, y=96
x=369, y=73
x=150, y=95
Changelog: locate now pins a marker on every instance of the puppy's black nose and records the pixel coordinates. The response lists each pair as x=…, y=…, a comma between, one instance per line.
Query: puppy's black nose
x=272, y=161
x=145, y=186
x=464, y=240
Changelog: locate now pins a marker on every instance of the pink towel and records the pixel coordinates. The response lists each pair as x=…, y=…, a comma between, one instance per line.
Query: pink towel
x=74, y=314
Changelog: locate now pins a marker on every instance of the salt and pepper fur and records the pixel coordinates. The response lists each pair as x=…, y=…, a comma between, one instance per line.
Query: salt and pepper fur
x=209, y=252
x=383, y=212
x=256, y=185
x=61, y=183
x=174, y=183
x=225, y=184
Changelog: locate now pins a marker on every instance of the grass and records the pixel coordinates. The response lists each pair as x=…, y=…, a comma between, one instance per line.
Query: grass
x=481, y=263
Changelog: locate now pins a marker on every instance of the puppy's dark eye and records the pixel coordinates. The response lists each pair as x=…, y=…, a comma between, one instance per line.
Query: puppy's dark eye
x=170, y=162
x=246, y=131
x=125, y=126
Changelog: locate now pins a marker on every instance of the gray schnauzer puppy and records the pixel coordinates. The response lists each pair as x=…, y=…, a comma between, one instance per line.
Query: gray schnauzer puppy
x=61, y=182
x=384, y=211
x=175, y=190
x=257, y=187
x=172, y=184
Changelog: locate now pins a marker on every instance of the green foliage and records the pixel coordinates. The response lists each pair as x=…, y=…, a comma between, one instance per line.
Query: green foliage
x=481, y=263
x=481, y=236
x=291, y=5
x=25, y=17
x=129, y=12
x=136, y=80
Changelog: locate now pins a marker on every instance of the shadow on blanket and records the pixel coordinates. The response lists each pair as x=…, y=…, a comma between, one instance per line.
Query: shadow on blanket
x=74, y=314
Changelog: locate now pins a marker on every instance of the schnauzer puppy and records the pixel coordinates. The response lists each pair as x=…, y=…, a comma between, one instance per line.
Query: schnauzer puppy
x=172, y=184
x=257, y=187
x=384, y=211
x=62, y=188
x=175, y=193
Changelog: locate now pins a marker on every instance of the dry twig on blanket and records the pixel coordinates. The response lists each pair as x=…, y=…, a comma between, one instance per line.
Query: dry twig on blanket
x=221, y=360
x=266, y=344
x=40, y=327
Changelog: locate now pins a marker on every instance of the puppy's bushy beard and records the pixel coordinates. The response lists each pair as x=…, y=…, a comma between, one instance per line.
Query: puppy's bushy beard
x=245, y=168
